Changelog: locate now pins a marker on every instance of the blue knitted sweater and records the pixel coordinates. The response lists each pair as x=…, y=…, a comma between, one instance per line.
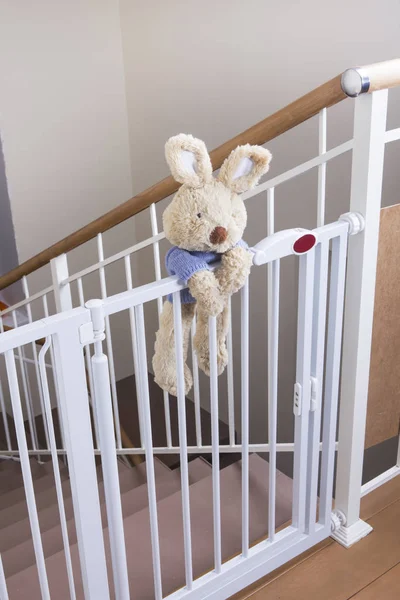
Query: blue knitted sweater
x=185, y=264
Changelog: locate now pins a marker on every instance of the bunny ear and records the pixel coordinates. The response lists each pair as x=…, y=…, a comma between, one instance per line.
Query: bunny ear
x=244, y=167
x=188, y=160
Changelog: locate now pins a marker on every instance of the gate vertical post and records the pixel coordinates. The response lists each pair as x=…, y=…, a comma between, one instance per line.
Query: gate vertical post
x=62, y=291
x=366, y=189
x=302, y=388
x=74, y=405
x=109, y=461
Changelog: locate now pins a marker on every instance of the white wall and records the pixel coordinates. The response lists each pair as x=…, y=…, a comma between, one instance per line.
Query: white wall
x=63, y=123
x=63, y=116
x=215, y=68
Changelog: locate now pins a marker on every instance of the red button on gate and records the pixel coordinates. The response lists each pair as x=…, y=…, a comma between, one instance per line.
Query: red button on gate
x=304, y=243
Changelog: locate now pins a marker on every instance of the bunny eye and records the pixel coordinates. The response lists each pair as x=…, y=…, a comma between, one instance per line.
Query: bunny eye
x=198, y=215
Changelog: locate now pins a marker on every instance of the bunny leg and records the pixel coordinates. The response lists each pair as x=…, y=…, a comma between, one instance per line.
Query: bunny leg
x=164, y=361
x=201, y=340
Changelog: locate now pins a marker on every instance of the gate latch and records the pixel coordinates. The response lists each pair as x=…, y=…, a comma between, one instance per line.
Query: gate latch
x=298, y=397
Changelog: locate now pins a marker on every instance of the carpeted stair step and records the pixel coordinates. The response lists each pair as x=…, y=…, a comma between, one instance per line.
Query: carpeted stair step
x=137, y=535
x=17, y=532
x=17, y=510
x=167, y=482
x=11, y=475
x=41, y=485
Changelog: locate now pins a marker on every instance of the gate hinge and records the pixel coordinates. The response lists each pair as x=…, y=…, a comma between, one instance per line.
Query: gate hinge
x=94, y=331
x=298, y=398
x=355, y=220
x=86, y=333
x=314, y=391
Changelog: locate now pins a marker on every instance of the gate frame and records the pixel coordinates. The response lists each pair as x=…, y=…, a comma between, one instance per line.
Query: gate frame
x=73, y=329
x=65, y=330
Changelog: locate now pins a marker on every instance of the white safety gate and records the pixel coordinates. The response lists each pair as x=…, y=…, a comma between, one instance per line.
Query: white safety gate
x=322, y=266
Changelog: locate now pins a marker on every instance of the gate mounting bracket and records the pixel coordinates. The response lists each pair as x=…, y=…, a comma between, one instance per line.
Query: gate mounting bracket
x=347, y=535
x=86, y=333
x=355, y=220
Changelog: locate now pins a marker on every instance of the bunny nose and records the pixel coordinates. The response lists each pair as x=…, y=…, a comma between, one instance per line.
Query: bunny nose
x=218, y=235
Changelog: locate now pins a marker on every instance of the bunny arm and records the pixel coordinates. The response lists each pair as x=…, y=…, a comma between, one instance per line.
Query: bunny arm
x=201, y=340
x=234, y=270
x=204, y=287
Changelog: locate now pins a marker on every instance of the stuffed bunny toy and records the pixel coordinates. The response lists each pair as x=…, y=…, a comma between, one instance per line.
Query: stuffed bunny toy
x=205, y=222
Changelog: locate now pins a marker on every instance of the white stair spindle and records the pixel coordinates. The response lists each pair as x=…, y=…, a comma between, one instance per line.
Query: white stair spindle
x=322, y=122
x=56, y=383
x=34, y=353
x=81, y=297
x=273, y=352
x=157, y=269
x=147, y=442
x=271, y=211
x=26, y=473
x=27, y=390
x=49, y=427
x=4, y=417
x=215, y=443
x=245, y=416
x=103, y=288
x=183, y=439
x=196, y=387
x=132, y=323
x=231, y=381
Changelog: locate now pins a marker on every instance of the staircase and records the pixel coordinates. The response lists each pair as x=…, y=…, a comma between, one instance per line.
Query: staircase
x=16, y=546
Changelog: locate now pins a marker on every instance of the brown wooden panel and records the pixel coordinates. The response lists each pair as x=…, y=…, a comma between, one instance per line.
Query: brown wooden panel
x=387, y=587
x=372, y=504
x=335, y=573
x=384, y=387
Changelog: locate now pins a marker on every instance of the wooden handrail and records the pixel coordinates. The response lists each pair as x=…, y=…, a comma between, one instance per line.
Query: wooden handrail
x=302, y=109
x=353, y=81
x=371, y=78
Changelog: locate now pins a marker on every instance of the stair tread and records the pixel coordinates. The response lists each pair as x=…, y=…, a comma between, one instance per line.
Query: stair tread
x=13, y=506
x=198, y=469
x=42, y=484
x=6, y=464
x=137, y=534
x=18, y=531
x=11, y=476
x=22, y=556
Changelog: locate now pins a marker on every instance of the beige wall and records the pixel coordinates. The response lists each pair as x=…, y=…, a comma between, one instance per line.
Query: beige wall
x=215, y=68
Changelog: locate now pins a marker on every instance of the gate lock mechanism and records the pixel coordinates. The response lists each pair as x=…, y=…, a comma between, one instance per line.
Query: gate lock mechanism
x=284, y=243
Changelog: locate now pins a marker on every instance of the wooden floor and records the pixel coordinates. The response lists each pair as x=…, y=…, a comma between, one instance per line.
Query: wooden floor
x=370, y=570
